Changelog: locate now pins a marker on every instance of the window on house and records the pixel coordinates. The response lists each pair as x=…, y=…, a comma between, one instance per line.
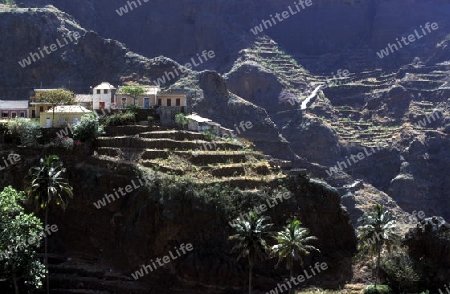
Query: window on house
x=5, y=114
x=159, y=102
x=41, y=108
x=105, y=91
x=22, y=114
x=178, y=102
x=13, y=114
x=98, y=91
x=124, y=100
x=169, y=102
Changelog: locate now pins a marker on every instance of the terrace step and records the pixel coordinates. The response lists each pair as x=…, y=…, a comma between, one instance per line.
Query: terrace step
x=83, y=276
x=158, y=143
x=174, y=135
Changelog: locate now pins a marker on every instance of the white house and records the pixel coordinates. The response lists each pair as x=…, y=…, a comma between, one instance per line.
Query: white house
x=103, y=96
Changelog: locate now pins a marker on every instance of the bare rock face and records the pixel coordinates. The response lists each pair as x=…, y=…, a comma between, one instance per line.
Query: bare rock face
x=76, y=64
x=429, y=244
x=224, y=26
x=251, y=82
x=230, y=110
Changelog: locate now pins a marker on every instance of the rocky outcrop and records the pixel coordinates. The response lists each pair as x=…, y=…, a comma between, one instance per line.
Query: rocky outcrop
x=429, y=244
x=325, y=27
x=217, y=98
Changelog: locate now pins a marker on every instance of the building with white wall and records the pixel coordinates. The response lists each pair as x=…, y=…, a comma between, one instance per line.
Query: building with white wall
x=103, y=96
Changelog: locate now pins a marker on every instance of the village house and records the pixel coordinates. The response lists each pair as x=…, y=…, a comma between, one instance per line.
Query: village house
x=13, y=108
x=103, y=96
x=172, y=98
x=146, y=100
x=200, y=124
x=36, y=107
x=64, y=115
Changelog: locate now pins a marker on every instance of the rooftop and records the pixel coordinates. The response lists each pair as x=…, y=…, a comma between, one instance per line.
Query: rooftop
x=197, y=118
x=69, y=109
x=104, y=86
x=13, y=104
x=83, y=98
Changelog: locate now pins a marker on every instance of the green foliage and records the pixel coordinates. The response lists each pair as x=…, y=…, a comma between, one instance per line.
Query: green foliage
x=11, y=3
x=379, y=289
x=20, y=236
x=3, y=127
x=181, y=119
x=133, y=91
x=377, y=229
x=121, y=119
x=24, y=131
x=400, y=272
x=292, y=243
x=88, y=129
x=250, y=239
x=209, y=135
x=55, y=97
x=65, y=142
x=46, y=183
x=251, y=236
x=133, y=108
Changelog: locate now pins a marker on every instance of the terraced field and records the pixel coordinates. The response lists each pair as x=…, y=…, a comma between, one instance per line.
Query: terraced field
x=190, y=154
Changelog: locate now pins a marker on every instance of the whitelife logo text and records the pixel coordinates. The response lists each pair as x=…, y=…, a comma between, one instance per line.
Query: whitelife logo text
x=35, y=56
x=159, y=262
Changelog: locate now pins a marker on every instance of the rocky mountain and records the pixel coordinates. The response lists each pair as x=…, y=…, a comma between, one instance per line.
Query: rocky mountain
x=377, y=129
x=264, y=78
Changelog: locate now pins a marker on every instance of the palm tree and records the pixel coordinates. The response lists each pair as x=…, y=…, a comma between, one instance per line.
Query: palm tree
x=45, y=184
x=292, y=245
x=377, y=229
x=251, y=237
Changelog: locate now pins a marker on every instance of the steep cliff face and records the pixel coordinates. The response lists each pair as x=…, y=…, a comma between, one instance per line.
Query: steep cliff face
x=40, y=50
x=182, y=30
x=144, y=224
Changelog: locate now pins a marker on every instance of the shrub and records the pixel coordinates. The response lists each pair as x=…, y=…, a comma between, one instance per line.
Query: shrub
x=24, y=131
x=88, y=128
x=380, y=289
x=3, y=127
x=400, y=272
x=209, y=135
x=120, y=119
x=65, y=142
x=181, y=119
x=133, y=108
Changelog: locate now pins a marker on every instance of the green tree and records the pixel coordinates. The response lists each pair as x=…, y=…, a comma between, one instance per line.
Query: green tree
x=132, y=91
x=46, y=184
x=292, y=245
x=181, y=119
x=250, y=240
x=55, y=97
x=20, y=236
x=377, y=229
x=88, y=128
